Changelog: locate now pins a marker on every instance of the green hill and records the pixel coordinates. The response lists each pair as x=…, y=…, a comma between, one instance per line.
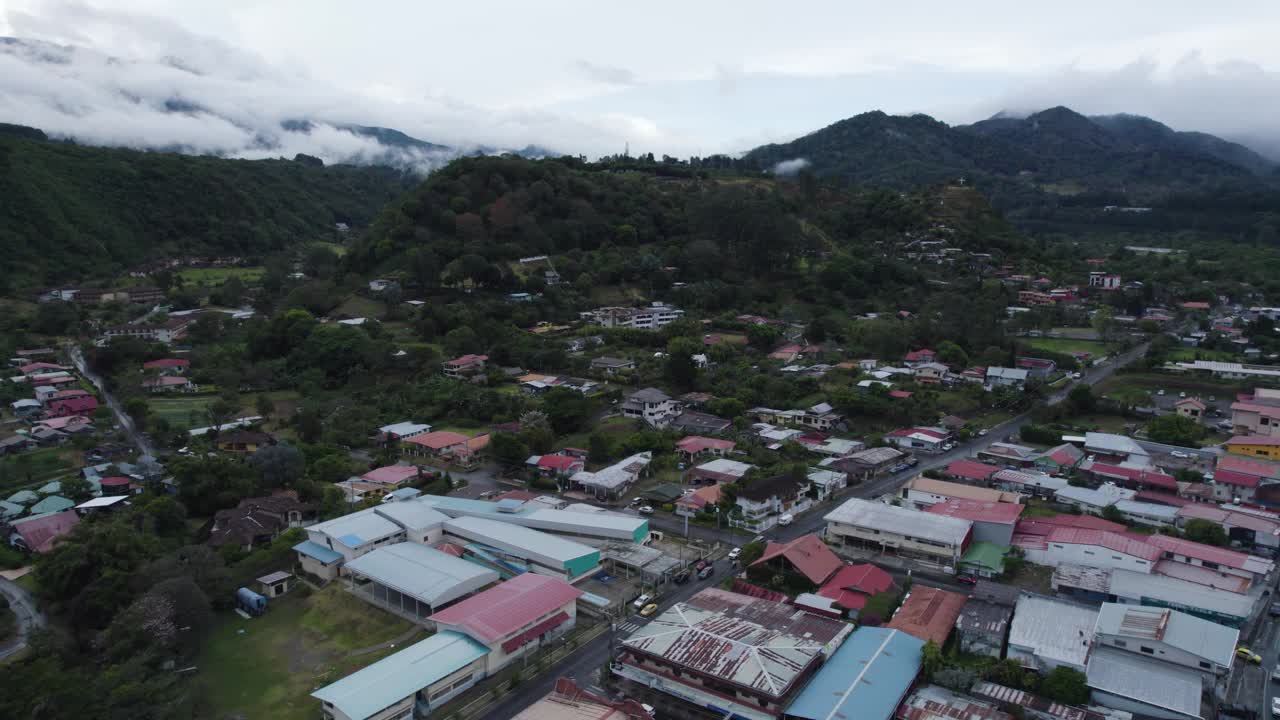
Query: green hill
x=71, y=212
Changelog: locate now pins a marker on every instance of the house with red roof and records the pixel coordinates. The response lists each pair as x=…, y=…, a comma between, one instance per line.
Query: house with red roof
x=465, y=366
x=694, y=446
x=556, y=465
x=169, y=383
x=1195, y=306
x=929, y=614
x=920, y=357
x=514, y=618
x=1038, y=368
x=1197, y=562
x=437, y=444
x=1239, y=477
x=1059, y=460
x=393, y=475
x=852, y=585
x=1191, y=407
x=807, y=556
x=698, y=500
x=71, y=402
x=168, y=366
x=993, y=522
x=1136, y=478
x=40, y=367
x=39, y=533
x=919, y=438
x=971, y=471
x=1096, y=548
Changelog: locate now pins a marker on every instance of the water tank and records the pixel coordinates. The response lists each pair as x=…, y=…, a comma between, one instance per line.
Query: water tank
x=250, y=601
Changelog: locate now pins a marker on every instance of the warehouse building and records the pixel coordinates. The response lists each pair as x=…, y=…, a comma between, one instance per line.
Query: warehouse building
x=866, y=678
x=1046, y=633
x=332, y=543
x=520, y=548
x=910, y=533
x=592, y=528
x=1170, y=637
x=414, y=580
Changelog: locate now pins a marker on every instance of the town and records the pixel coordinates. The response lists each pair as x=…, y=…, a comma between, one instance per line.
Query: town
x=1063, y=504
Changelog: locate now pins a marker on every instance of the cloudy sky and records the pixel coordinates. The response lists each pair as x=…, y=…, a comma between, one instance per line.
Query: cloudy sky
x=689, y=77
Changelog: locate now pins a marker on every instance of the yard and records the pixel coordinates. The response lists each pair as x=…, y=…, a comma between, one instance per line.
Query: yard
x=609, y=427
x=360, y=306
x=177, y=410
x=1065, y=345
x=36, y=467
x=267, y=667
x=1136, y=388
x=218, y=275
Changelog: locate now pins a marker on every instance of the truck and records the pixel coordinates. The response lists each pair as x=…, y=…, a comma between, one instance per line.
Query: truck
x=250, y=601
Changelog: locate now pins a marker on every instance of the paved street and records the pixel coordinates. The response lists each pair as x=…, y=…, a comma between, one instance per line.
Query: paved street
x=145, y=449
x=25, y=612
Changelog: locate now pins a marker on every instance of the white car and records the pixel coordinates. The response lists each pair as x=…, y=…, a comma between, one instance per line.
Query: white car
x=734, y=553
x=1275, y=706
x=948, y=447
x=1180, y=454
x=786, y=519
x=1160, y=391
x=1076, y=375
x=642, y=601
x=645, y=510
x=982, y=432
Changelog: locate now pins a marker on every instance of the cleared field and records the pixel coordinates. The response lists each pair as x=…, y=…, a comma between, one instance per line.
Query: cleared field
x=267, y=667
x=177, y=410
x=219, y=275
x=1065, y=345
x=35, y=467
x=360, y=306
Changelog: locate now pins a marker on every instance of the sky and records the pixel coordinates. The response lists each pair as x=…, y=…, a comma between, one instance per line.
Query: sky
x=680, y=78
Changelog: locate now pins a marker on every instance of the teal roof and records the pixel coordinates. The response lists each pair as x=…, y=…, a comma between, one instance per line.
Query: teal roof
x=986, y=555
x=50, y=488
x=866, y=678
x=317, y=551
x=23, y=497
x=52, y=504
x=366, y=692
x=8, y=509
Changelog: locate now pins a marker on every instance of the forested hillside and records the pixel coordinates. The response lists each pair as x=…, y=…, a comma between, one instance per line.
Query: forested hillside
x=70, y=211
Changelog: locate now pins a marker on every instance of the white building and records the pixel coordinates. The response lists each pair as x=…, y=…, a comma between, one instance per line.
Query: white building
x=1006, y=377
x=404, y=430
x=614, y=480
x=1047, y=632
x=1093, y=501
x=656, y=315
x=877, y=526
x=652, y=406
x=1170, y=637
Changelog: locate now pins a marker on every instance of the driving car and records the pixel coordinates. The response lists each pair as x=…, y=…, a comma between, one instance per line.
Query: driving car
x=681, y=577
x=1180, y=454
x=1275, y=706
x=982, y=432
x=645, y=510
x=734, y=553
x=1249, y=655
x=649, y=609
x=642, y=601
x=706, y=572
x=967, y=580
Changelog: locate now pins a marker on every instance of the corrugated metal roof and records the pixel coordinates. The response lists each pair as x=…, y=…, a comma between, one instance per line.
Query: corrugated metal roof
x=933, y=702
x=317, y=551
x=1109, y=540
x=366, y=692
x=929, y=613
x=866, y=678
x=504, y=609
x=521, y=541
x=889, y=518
x=1209, y=553
x=356, y=529
x=412, y=515
x=1053, y=629
x=422, y=572
x=1152, y=682
x=979, y=511
x=1206, y=640
x=1137, y=586
x=750, y=642
x=958, y=490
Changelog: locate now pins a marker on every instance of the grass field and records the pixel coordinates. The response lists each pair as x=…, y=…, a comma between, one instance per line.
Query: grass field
x=1101, y=423
x=219, y=275
x=337, y=249
x=1193, y=354
x=1135, y=385
x=267, y=667
x=36, y=467
x=28, y=582
x=177, y=410
x=360, y=306
x=609, y=426
x=1065, y=345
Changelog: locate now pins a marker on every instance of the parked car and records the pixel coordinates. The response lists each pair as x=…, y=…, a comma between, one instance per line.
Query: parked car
x=1160, y=391
x=1077, y=375
x=786, y=519
x=967, y=580
x=1182, y=394
x=1180, y=454
x=645, y=510
x=1274, y=610
x=637, y=500
x=1233, y=710
x=982, y=432
x=948, y=447
x=706, y=572
x=700, y=564
x=681, y=577
x=1275, y=707
x=1249, y=655
x=642, y=601
x=1226, y=424
x=734, y=553
x=649, y=609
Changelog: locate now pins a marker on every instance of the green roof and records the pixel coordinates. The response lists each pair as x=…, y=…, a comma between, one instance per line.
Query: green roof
x=52, y=504
x=988, y=556
x=666, y=493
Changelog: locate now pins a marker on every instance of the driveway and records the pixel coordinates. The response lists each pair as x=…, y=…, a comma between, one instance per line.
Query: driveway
x=24, y=609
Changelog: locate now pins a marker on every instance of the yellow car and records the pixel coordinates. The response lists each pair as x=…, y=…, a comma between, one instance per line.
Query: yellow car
x=652, y=608
x=1249, y=655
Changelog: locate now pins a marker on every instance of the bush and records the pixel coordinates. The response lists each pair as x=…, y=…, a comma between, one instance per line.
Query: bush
x=1041, y=435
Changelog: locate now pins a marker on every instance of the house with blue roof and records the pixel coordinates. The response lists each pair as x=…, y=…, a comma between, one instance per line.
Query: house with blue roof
x=866, y=678
x=331, y=543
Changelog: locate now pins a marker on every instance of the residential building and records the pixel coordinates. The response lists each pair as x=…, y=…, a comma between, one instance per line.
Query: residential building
x=983, y=625
x=931, y=372
x=438, y=444
x=928, y=613
x=763, y=500
x=39, y=533
x=1047, y=633
x=919, y=438
x=704, y=498
x=1112, y=449
x=993, y=522
x=651, y=406
x=1168, y=636
x=806, y=556
x=244, y=441
x=1138, y=478
x=984, y=560
x=175, y=328
x=66, y=403
x=1037, y=368
x=465, y=366
x=1006, y=377
x=867, y=678
x=920, y=357
x=695, y=446
x=818, y=417
x=1262, y=446
x=866, y=463
x=971, y=471
x=1008, y=455
x=700, y=423
x=394, y=475
x=1191, y=407
x=1257, y=414
x=827, y=483
x=615, y=480
x=1091, y=500
x=1104, y=281
x=720, y=470
x=923, y=492
x=852, y=585
x=876, y=526
x=731, y=653
x=413, y=580
x=655, y=316
x=1060, y=459
x=259, y=520
x=559, y=466
x=168, y=366
x=1034, y=484
x=1209, y=565
x=611, y=365
x=398, y=432
x=169, y=383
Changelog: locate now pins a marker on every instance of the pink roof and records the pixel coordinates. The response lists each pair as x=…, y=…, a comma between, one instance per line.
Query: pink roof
x=1250, y=466
x=1239, y=479
x=1269, y=411
x=452, y=549
x=391, y=474
x=39, y=534
x=703, y=496
x=165, y=381
x=167, y=363
x=61, y=422
x=1109, y=540
x=1046, y=525
x=73, y=405
x=1195, y=402
x=853, y=584
x=1202, y=576
x=922, y=355
x=899, y=394
x=467, y=360
x=1142, y=477
x=73, y=393
x=907, y=432
x=695, y=444
x=439, y=439
x=1027, y=362
x=503, y=609
x=1162, y=498
x=971, y=470
x=521, y=495
x=1200, y=551
x=38, y=366
x=808, y=554
x=979, y=511
x=1196, y=305
x=1254, y=440
x=560, y=462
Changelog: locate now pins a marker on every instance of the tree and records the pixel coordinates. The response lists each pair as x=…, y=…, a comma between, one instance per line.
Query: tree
x=1175, y=430
x=1081, y=399
x=598, y=447
x=1066, y=685
x=681, y=370
x=763, y=337
x=265, y=406
x=507, y=449
x=277, y=466
x=931, y=659
x=309, y=425
x=1113, y=514
x=461, y=340
x=1207, y=532
x=952, y=354
x=75, y=487
x=166, y=516
x=566, y=409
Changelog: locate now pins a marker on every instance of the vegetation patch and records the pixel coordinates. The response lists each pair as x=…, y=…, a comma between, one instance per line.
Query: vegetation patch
x=219, y=275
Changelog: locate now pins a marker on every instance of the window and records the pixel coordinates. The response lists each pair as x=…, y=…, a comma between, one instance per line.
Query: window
x=1146, y=650
x=1088, y=552
x=1121, y=643
x=1205, y=665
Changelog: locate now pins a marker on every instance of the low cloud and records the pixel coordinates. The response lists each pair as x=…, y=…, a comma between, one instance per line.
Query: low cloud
x=791, y=167
x=605, y=74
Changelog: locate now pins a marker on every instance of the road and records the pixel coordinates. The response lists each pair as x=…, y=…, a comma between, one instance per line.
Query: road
x=145, y=448
x=25, y=612
x=590, y=658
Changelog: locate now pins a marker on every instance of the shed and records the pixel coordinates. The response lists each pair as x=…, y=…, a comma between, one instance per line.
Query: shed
x=276, y=583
